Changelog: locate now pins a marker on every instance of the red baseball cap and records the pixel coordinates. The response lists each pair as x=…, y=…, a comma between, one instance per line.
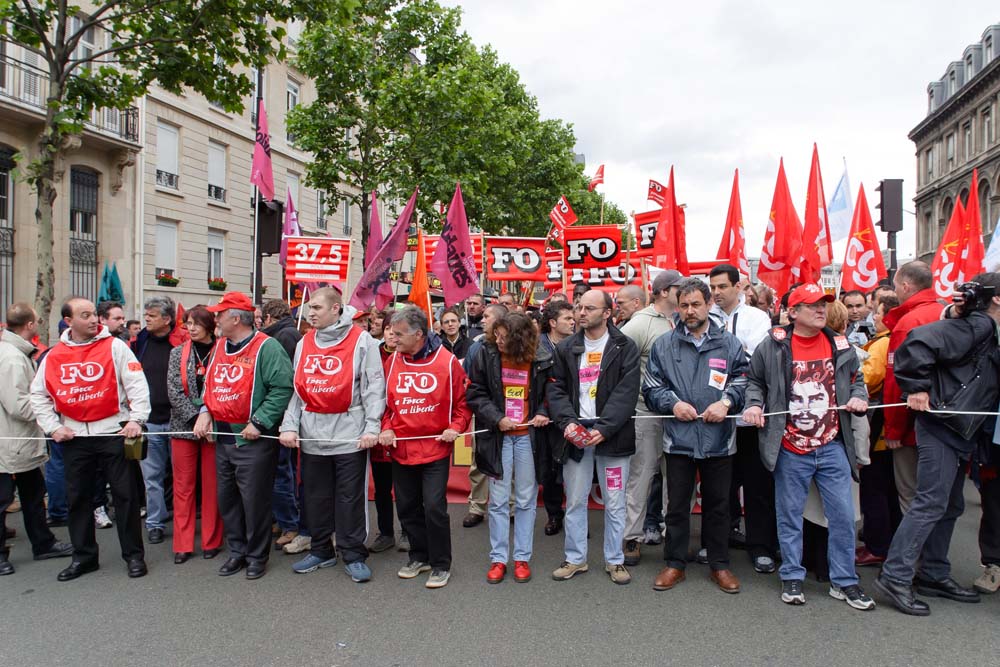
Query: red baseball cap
x=232, y=301
x=808, y=294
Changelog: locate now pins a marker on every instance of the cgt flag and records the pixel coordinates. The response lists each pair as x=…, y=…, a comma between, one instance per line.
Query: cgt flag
x=261, y=174
x=817, y=251
x=733, y=246
x=656, y=193
x=598, y=179
x=863, y=263
x=781, y=255
x=454, y=261
x=944, y=267
x=961, y=254
x=392, y=250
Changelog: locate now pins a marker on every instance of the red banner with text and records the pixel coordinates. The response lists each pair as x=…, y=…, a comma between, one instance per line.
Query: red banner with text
x=515, y=258
x=317, y=259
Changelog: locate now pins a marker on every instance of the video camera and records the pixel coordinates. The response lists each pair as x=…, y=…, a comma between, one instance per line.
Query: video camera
x=973, y=297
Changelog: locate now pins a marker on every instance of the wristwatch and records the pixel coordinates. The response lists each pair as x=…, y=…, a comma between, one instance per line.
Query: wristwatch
x=726, y=401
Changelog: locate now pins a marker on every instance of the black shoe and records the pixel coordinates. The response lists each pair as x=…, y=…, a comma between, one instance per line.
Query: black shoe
x=76, y=570
x=56, y=523
x=137, y=568
x=553, y=525
x=949, y=588
x=5, y=566
x=57, y=550
x=472, y=519
x=209, y=554
x=181, y=557
x=156, y=535
x=737, y=539
x=901, y=596
x=256, y=570
x=232, y=566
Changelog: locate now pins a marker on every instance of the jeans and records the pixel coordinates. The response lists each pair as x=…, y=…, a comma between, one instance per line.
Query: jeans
x=154, y=470
x=517, y=460
x=611, y=471
x=829, y=467
x=286, y=510
x=55, y=482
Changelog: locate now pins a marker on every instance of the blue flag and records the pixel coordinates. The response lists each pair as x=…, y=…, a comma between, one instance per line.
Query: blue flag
x=840, y=209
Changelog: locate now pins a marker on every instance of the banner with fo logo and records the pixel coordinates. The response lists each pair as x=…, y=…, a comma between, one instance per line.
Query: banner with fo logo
x=321, y=364
x=416, y=383
x=515, y=258
x=645, y=232
x=591, y=246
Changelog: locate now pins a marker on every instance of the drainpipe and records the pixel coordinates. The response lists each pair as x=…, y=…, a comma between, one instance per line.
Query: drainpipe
x=139, y=228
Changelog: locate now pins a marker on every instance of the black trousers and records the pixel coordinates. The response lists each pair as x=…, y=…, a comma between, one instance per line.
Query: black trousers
x=31, y=489
x=989, y=524
x=245, y=479
x=716, y=475
x=551, y=478
x=758, y=495
x=382, y=476
x=336, y=494
x=83, y=457
x=879, y=503
x=422, y=505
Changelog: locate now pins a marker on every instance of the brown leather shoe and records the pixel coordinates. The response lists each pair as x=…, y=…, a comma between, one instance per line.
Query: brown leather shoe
x=668, y=578
x=726, y=581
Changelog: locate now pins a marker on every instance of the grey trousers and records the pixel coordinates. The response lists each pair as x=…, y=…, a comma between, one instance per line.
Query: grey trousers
x=904, y=468
x=642, y=466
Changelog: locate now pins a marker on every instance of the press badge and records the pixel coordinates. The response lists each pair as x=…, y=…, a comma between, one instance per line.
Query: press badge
x=717, y=380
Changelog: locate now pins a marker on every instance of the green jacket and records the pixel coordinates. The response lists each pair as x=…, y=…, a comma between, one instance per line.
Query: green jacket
x=273, y=377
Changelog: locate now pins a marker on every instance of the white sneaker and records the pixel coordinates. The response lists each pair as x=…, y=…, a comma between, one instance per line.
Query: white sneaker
x=101, y=518
x=298, y=544
x=989, y=581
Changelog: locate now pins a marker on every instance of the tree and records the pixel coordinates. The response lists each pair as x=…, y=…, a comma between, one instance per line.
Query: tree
x=176, y=43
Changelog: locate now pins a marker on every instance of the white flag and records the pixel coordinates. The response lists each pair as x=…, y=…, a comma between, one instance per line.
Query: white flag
x=991, y=262
x=840, y=209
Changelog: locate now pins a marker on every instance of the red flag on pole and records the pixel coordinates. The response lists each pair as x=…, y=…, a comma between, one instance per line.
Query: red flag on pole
x=973, y=251
x=781, y=255
x=562, y=216
x=863, y=263
x=454, y=260
x=960, y=255
x=369, y=287
x=598, y=179
x=289, y=228
x=817, y=251
x=420, y=292
x=656, y=192
x=671, y=240
x=260, y=170
x=733, y=246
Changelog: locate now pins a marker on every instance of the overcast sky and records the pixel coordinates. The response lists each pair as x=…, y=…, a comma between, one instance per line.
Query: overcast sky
x=716, y=85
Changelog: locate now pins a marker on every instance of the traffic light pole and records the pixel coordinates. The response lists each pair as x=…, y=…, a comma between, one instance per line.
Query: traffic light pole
x=891, y=245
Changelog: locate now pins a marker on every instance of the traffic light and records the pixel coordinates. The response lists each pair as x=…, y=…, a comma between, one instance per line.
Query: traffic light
x=269, y=226
x=890, y=204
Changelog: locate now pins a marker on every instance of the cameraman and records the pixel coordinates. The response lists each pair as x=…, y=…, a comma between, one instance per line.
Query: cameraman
x=951, y=364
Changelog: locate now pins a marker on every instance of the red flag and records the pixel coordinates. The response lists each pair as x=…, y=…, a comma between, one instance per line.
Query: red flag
x=816, y=248
x=562, y=216
x=260, y=170
x=781, y=255
x=656, y=192
x=369, y=287
x=960, y=255
x=289, y=228
x=598, y=179
x=454, y=260
x=733, y=246
x=420, y=293
x=863, y=263
x=973, y=251
x=671, y=240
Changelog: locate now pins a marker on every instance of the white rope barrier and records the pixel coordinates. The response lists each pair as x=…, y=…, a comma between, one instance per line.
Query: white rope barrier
x=880, y=406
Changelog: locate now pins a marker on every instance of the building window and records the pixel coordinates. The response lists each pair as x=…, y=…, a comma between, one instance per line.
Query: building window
x=166, y=248
x=293, y=188
x=320, y=209
x=967, y=141
x=6, y=233
x=970, y=68
x=949, y=143
x=347, y=217
x=293, y=30
x=987, y=127
x=87, y=46
x=216, y=248
x=167, y=142
x=259, y=84
x=929, y=161
x=291, y=101
x=216, y=171
x=952, y=81
x=985, y=209
x=84, y=191
x=988, y=50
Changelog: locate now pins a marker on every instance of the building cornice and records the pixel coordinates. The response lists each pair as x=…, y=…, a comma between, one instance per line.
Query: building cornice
x=954, y=104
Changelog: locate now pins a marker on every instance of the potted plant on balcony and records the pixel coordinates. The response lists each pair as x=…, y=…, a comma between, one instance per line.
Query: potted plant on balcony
x=217, y=284
x=164, y=279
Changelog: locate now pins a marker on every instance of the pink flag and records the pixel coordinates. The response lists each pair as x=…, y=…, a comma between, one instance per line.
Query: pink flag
x=260, y=171
x=374, y=231
x=454, y=261
x=369, y=288
x=290, y=228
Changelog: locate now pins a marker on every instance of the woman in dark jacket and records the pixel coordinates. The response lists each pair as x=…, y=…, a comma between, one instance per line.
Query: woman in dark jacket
x=185, y=384
x=507, y=388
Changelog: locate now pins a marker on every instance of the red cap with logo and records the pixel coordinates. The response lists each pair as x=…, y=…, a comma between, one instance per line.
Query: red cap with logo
x=808, y=294
x=232, y=301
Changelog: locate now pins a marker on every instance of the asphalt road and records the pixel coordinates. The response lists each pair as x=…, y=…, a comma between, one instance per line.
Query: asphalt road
x=187, y=615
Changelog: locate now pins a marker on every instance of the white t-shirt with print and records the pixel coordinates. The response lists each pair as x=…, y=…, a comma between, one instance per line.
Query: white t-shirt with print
x=590, y=372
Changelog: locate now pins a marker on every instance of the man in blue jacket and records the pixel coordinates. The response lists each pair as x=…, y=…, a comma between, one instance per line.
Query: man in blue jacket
x=697, y=374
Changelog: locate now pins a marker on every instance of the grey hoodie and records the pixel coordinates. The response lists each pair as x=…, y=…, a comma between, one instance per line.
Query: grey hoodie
x=367, y=403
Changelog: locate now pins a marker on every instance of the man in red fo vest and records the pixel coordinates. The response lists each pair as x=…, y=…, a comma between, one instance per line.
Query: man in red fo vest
x=337, y=410
x=425, y=396
x=89, y=394
x=247, y=387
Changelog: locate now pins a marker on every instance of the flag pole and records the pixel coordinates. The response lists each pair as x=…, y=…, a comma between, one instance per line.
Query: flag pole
x=602, y=208
x=255, y=264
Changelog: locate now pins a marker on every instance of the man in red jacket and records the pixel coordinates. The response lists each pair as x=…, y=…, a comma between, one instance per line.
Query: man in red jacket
x=918, y=305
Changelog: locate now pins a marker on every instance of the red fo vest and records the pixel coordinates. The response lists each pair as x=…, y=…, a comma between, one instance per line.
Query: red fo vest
x=324, y=378
x=82, y=381
x=419, y=395
x=186, y=348
x=229, y=382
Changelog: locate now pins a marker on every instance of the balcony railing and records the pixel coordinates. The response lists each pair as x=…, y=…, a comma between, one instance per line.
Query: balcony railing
x=216, y=192
x=29, y=85
x=166, y=179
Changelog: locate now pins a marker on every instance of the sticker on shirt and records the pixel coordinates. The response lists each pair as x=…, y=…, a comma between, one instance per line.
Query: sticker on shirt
x=135, y=366
x=594, y=358
x=593, y=392
x=613, y=478
x=841, y=342
x=514, y=376
x=717, y=364
x=717, y=380
x=514, y=392
x=514, y=409
x=589, y=374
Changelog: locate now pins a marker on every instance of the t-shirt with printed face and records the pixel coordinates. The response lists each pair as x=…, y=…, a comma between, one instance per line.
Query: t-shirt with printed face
x=590, y=373
x=811, y=423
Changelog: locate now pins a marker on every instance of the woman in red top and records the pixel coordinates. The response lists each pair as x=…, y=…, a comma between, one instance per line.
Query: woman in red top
x=185, y=385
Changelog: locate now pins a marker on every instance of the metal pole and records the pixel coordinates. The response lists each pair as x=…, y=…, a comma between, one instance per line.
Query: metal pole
x=256, y=263
x=891, y=245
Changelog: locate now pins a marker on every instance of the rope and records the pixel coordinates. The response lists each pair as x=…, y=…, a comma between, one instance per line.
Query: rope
x=881, y=406
x=188, y=434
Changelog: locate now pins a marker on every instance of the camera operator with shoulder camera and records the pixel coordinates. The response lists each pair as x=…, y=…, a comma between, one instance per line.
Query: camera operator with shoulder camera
x=949, y=365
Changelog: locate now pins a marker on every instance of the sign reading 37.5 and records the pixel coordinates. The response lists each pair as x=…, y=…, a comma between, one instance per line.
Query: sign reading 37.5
x=317, y=259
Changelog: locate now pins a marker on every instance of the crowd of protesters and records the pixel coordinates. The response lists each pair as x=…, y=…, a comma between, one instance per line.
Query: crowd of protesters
x=795, y=416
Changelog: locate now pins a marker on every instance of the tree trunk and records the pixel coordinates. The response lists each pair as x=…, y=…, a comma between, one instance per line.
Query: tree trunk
x=43, y=178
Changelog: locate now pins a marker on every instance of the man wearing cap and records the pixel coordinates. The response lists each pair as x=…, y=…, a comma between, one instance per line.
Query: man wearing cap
x=247, y=387
x=807, y=369
x=644, y=328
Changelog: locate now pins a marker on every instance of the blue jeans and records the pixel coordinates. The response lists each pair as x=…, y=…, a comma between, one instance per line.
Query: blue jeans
x=829, y=467
x=55, y=483
x=519, y=461
x=286, y=510
x=154, y=471
x=578, y=478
